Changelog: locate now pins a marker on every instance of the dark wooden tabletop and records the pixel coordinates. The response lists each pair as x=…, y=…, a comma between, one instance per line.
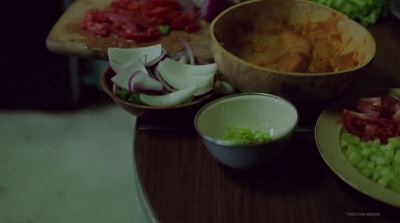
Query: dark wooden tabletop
x=184, y=183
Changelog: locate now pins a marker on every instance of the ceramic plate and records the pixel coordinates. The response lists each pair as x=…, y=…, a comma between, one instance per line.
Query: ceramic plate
x=328, y=129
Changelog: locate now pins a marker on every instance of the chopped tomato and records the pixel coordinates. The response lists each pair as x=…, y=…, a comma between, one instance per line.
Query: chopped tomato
x=375, y=118
x=391, y=108
x=370, y=106
x=139, y=19
x=367, y=127
x=167, y=3
x=180, y=22
x=150, y=34
x=193, y=27
x=380, y=107
x=100, y=29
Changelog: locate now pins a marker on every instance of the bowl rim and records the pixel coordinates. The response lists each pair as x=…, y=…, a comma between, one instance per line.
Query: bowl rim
x=105, y=85
x=229, y=144
x=214, y=39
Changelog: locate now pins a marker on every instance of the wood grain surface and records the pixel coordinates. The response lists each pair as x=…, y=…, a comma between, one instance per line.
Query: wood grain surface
x=184, y=183
x=67, y=38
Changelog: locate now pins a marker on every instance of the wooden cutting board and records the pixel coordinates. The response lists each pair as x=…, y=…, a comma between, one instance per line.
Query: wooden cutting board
x=67, y=38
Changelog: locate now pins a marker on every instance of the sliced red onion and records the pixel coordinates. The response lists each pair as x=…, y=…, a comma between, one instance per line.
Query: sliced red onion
x=158, y=59
x=140, y=81
x=120, y=58
x=188, y=52
x=130, y=81
x=180, y=75
x=176, y=55
x=170, y=99
x=122, y=78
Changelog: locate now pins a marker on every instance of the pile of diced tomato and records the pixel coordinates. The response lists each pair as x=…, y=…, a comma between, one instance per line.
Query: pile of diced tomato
x=374, y=118
x=140, y=20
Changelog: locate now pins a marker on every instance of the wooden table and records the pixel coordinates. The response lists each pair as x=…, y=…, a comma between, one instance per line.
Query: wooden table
x=182, y=182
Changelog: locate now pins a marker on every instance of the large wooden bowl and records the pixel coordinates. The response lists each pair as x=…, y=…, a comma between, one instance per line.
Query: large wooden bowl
x=245, y=32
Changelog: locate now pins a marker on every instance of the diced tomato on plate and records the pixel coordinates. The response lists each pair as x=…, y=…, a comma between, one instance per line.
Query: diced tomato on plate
x=375, y=118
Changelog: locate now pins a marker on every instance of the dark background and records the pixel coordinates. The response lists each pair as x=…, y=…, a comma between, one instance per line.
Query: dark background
x=32, y=77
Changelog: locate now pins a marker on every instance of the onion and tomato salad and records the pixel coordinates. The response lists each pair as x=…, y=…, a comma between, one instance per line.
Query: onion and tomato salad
x=372, y=141
x=154, y=77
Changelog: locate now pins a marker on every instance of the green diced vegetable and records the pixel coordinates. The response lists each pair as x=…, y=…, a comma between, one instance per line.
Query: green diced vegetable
x=397, y=156
x=135, y=98
x=124, y=94
x=376, y=161
x=365, y=11
x=164, y=30
x=245, y=136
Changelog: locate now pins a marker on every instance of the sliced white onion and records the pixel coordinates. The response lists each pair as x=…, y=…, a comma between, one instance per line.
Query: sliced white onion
x=179, y=75
x=203, y=91
x=115, y=89
x=153, y=69
x=188, y=53
x=121, y=79
x=182, y=81
x=176, y=55
x=170, y=99
x=158, y=77
x=120, y=58
x=158, y=59
x=142, y=82
x=187, y=69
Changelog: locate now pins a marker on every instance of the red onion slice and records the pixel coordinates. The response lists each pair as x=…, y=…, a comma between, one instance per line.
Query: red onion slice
x=158, y=59
x=141, y=82
x=188, y=53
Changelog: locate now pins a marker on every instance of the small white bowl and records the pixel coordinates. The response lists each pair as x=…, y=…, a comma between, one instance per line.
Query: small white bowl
x=256, y=111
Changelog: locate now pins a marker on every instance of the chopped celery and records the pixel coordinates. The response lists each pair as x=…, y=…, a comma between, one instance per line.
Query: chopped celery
x=376, y=161
x=365, y=12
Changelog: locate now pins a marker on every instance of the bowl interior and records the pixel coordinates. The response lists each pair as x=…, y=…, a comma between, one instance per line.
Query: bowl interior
x=252, y=30
x=256, y=111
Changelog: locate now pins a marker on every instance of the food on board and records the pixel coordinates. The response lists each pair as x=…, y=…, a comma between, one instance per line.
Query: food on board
x=141, y=20
x=244, y=136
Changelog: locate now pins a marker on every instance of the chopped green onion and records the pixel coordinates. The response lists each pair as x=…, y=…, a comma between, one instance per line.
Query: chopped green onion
x=245, y=136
